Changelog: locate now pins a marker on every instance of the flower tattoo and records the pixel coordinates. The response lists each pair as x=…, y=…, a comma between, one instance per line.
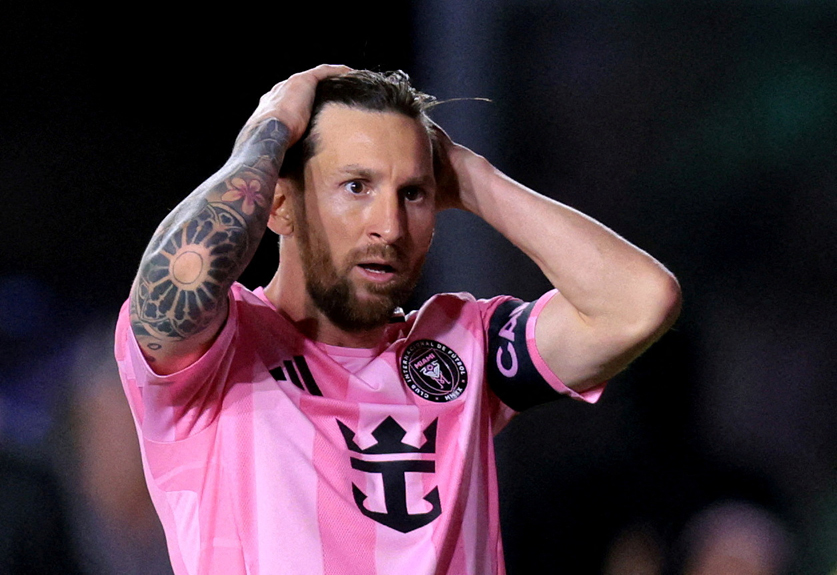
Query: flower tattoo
x=247, y=191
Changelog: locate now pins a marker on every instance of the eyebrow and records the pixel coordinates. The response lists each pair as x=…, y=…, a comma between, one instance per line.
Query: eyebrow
x=357, y=170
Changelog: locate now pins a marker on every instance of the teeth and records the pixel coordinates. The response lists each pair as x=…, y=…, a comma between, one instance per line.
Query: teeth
x=377, y=268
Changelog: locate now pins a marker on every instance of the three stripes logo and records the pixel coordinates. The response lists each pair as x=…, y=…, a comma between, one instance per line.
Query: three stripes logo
x=296, y=370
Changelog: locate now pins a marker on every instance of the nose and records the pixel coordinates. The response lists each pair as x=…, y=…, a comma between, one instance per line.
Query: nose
x=386, y=219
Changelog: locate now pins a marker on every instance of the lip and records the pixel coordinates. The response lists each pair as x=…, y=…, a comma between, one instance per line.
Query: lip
x=374, y=271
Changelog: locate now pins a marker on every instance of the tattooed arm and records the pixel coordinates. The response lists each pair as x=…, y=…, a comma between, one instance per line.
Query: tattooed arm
x=179, y=296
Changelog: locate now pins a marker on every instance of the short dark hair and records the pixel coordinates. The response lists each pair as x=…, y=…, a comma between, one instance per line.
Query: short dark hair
x=361, y=89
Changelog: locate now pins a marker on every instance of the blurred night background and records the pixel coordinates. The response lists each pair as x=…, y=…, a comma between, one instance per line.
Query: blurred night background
x=703, y=132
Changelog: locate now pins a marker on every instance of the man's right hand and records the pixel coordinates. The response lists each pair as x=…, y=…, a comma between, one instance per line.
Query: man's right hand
x=291, y=100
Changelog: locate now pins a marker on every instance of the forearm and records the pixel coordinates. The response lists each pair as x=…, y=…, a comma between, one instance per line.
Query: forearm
x=203, y=245
x=615, y=298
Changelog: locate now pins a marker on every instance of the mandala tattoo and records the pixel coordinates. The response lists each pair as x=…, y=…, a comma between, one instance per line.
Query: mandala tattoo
x=203, y=246
x=173, y=303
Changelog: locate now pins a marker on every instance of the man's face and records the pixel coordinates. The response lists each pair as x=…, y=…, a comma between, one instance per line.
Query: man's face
x=365, y=220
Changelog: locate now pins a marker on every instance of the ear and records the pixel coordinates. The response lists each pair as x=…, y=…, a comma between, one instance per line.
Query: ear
x=281, y=220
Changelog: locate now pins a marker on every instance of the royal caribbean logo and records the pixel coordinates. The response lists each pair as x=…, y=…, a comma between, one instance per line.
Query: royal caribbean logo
x=390, y=441
x=433, y=371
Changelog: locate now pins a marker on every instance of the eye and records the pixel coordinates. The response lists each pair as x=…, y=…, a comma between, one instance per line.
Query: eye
x=414, y=193
x=355, y=187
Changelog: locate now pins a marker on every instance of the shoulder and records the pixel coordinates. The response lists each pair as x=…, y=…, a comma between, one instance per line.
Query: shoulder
x=457, y=303
x=251, y=305
x=241, y=294
x=453, y=312
x=247, y=313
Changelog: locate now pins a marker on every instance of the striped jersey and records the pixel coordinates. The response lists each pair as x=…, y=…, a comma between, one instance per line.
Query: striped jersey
x=277, y=454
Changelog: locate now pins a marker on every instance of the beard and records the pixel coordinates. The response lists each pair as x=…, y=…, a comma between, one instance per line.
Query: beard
x=336, y=296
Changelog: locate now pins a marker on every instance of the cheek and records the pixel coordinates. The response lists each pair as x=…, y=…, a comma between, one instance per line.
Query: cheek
x=338, y=243
x=329, y=226
x=423, y=228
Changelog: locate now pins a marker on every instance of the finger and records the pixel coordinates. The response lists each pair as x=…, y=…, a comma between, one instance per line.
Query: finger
x=320, y=72
x=328, y=70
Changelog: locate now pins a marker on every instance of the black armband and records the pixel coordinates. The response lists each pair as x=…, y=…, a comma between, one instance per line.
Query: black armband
x=510, y=371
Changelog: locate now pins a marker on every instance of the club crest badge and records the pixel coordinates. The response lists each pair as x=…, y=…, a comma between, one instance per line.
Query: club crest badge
x=433, y=371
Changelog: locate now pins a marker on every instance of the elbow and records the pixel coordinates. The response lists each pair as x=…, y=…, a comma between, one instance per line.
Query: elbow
x=669, y=301
x=662, y=306
x=654, y=312
x=646, y=317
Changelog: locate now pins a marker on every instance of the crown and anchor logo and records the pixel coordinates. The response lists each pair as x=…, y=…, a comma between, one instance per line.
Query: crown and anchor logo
x=389, y=436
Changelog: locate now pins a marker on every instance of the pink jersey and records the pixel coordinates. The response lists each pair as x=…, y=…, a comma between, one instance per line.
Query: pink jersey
x=277, y=454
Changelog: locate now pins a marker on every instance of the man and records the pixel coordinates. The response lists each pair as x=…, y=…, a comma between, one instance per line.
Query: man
x=309, y=427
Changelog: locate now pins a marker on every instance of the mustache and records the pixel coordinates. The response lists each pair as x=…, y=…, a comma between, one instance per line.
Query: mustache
x=391, y=254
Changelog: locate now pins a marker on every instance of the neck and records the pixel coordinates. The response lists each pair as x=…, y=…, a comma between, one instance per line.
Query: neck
x=287, y=292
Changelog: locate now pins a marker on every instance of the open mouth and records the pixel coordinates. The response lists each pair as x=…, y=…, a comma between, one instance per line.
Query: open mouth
x=377, y=268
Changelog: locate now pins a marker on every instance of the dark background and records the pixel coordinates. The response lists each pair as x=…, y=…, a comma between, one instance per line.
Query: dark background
x=703, y=132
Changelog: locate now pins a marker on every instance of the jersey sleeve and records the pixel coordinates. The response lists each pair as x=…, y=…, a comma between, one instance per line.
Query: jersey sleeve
x=515, y=370
x=175, y=406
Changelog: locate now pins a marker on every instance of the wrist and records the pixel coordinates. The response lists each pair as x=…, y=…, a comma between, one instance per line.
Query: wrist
x=474, y=173
x=268, y=136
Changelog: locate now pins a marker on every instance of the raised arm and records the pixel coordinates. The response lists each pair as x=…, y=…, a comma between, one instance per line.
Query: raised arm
x=179, y=297
x=614, y=299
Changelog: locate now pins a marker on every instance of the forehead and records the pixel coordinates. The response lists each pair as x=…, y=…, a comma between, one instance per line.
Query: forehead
x=347, y=135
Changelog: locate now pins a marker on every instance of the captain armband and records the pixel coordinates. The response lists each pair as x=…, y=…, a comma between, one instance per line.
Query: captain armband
x=511, y=373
